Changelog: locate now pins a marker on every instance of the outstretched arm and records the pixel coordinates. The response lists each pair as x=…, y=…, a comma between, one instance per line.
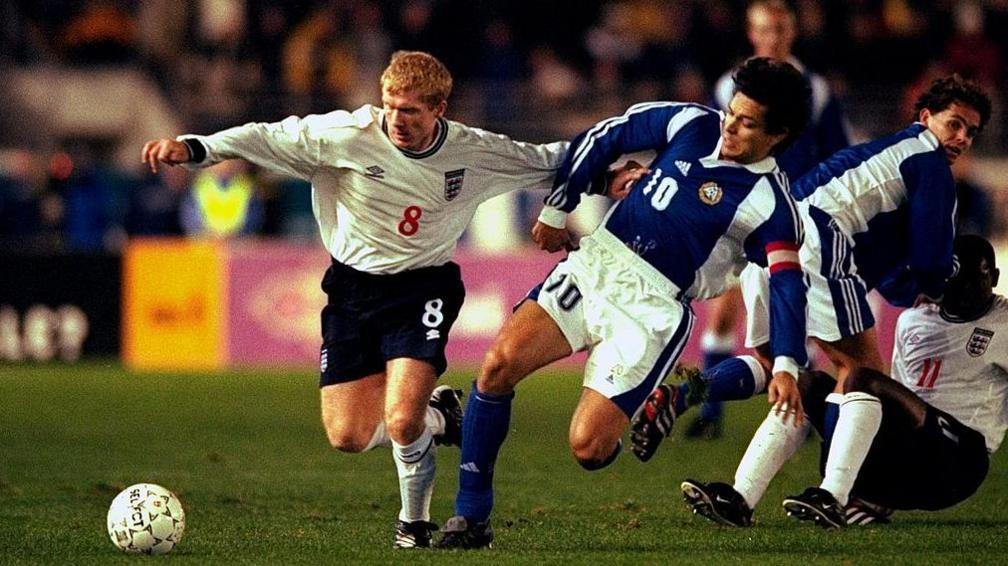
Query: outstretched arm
x=648, y=126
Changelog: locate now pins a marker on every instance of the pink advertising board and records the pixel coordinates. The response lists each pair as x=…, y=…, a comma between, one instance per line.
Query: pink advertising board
x=274, y=299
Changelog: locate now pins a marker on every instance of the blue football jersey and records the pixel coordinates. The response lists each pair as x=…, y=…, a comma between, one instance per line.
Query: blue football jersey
x=695, y=218
x=895, y=197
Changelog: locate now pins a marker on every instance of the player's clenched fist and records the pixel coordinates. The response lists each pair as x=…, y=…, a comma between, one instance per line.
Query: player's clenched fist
x=169, y=151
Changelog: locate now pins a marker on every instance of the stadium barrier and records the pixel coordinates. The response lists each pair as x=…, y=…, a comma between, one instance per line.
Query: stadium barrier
x=58, y=306
x=212, y=305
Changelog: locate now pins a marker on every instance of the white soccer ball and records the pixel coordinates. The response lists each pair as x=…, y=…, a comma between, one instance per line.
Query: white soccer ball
x=146, y=518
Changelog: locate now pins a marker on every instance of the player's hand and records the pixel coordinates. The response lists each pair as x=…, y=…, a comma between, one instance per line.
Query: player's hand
x=784, y=395
x=168, y=151
x=624, y=178
x=552, y=239
x=923, y=299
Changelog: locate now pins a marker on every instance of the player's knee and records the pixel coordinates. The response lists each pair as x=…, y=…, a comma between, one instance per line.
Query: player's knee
x=593, y=453
x=402, y=427
x=498, y=368
x=345, y=439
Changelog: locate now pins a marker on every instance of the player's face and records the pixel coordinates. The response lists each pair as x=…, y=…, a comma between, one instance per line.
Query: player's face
x=410, y=121
x=771, y=33
x=744, y=138
x=955, y=127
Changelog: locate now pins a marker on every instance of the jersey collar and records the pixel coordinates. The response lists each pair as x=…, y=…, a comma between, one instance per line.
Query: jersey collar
x=439, y=139
x=927, y=136
x=766, y=165
x=949, y=317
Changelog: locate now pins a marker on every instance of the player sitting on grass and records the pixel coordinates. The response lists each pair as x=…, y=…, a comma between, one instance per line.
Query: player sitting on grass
x=943, y=412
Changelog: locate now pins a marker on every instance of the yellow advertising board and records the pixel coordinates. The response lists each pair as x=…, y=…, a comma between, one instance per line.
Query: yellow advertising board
x=174, y=304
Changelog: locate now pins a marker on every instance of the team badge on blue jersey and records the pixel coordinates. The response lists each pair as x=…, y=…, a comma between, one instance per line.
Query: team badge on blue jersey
x=710, y=193
x=978, y=342
x=453, y=183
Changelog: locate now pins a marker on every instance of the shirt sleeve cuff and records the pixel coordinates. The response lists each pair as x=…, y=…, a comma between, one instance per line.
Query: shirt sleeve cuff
x=785, y=364
x=553, y=217
x=197, y=151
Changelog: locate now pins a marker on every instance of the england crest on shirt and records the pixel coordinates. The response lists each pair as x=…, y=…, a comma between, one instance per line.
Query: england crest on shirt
x=978, y=342
x=453, y=183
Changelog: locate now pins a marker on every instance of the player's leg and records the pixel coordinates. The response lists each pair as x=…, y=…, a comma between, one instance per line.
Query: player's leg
x=858, y=421
x=852, y=352
x=352, y=413
x=717, y=345
x=415, y=313
x=410, y=384
x=638, y=342
x=734, y=379
x=529, y=340
x=596, y=430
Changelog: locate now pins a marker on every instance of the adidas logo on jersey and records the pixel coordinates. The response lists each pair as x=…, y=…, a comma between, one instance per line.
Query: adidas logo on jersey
x=683, y=167
x=470, y=467
x=433, y=334
x=375, y=172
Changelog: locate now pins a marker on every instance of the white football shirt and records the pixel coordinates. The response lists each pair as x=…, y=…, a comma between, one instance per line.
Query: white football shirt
x=381, y=209
x=958, y=367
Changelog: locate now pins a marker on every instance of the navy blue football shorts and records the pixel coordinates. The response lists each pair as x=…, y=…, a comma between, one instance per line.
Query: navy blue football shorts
x=934, y=467
x=370, y=319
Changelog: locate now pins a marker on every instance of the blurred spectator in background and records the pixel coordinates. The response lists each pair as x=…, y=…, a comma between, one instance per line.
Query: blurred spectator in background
x=95, y=194
x=21, y=178
x=973, y=205
x=155, y=205
x=222, y=74
x=772, y=28
x=99, y=32
x=83, y=68
x=222, y=202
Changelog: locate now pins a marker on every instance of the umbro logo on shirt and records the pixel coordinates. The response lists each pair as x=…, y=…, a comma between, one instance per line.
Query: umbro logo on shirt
x=375, y=172
x=683, y=167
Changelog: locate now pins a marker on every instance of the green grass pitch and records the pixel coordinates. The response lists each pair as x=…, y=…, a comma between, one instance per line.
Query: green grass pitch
x=246, y=454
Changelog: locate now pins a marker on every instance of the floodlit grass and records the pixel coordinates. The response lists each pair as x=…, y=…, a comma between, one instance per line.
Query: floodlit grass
x=246, y=454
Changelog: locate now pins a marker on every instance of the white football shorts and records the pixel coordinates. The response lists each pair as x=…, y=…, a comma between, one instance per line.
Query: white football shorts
x=609, y=301
x=836, y=298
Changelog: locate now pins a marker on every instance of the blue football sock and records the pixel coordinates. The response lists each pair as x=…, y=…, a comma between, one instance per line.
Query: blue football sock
x=730, y=380
x=484, y=428
x=712, y=410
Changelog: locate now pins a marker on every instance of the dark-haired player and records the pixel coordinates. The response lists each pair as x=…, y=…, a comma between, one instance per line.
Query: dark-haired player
x=713, y=201
x=877, y=215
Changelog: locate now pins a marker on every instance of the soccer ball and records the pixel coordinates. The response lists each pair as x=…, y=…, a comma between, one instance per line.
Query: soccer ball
x=146, y=518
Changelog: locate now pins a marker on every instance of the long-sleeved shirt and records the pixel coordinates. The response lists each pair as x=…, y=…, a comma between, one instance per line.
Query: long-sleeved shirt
x=696, y=219
x=382, y=209
x=895, y=198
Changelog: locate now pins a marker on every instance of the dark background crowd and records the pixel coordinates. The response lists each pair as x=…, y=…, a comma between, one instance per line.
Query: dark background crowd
x=87, y=81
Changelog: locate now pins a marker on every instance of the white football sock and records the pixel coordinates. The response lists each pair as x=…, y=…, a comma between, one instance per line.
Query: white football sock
x=416, y=466
x=773, y=444
x=859, y=421
x=435, y=421
x=380, y=437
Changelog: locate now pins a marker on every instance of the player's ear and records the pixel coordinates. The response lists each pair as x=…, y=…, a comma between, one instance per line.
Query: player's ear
x=994, y=277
